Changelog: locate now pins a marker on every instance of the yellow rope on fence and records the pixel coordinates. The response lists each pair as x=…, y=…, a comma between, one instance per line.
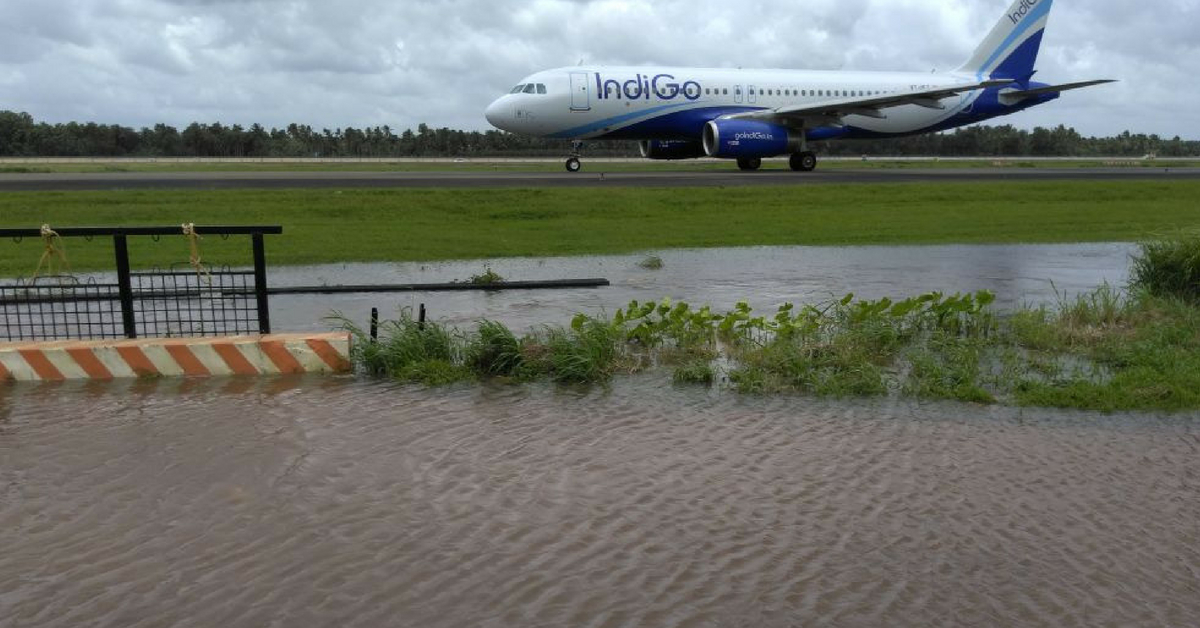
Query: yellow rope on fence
x=54, y=248
x=189, y=230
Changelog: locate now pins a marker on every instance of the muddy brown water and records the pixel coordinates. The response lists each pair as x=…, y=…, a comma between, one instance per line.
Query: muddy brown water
x=346, y=502
x=342, y=502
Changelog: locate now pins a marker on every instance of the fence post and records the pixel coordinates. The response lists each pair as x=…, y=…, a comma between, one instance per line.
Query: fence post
x=125, y=285
x=260, y=284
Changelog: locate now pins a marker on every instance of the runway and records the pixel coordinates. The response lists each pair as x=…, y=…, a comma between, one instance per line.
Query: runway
x=591, y=177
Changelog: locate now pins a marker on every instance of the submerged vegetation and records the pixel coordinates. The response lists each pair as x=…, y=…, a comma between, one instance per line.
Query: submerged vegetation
x=488, y=277
x=1106, y=350
x=1103, y=351
x=651, y=262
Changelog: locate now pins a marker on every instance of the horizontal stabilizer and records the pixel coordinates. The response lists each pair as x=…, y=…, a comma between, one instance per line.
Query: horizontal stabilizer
x=1054, y=89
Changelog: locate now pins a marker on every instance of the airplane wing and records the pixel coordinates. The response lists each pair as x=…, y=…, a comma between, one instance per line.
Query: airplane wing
x=832, y=111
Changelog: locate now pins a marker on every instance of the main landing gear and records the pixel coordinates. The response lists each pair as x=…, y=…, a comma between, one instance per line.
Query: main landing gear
x=749, y=163
x=573, y=163
x=805, y=161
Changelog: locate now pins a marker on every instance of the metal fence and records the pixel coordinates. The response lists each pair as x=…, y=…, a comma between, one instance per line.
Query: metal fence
x=145, y=304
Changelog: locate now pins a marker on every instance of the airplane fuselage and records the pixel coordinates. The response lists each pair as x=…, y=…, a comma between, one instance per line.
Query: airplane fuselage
x=671, y=103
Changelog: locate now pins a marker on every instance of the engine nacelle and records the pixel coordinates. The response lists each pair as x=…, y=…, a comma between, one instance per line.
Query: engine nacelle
x=731, y=139
x=670, y=149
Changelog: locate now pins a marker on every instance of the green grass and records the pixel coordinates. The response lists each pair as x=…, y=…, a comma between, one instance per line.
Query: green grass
x=322, y=226
x=1170, y=267
x=1146, y=357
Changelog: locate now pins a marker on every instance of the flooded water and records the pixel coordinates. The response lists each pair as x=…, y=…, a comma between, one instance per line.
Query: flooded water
x=764, y=276
x=337, y=502
x=342, y=502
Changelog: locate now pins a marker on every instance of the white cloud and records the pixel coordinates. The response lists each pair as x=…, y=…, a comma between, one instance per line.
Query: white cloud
x=375, y=62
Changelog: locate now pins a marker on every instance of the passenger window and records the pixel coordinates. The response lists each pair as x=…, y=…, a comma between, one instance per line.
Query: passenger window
x=725, y=91
x=541, y=88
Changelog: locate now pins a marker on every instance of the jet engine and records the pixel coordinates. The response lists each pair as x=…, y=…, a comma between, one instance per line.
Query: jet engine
x=730, y=139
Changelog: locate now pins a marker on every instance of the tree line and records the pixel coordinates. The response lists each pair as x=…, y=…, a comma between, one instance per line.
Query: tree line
x=22, y=136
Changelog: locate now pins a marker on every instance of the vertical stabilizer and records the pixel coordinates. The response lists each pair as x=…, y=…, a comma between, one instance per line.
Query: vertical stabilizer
x=1011, y=49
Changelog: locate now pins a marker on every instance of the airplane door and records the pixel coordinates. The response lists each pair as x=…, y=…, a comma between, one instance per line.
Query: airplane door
x=737, y=93
x=750, y=95
x=580, y=99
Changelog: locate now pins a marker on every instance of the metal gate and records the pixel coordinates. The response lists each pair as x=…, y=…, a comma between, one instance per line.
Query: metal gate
x=198, y=301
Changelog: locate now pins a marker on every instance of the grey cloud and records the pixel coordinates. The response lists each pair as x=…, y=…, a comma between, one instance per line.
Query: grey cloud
x=369, y=62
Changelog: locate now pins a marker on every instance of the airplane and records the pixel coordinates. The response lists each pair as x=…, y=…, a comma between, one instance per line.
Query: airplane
x=748, y=115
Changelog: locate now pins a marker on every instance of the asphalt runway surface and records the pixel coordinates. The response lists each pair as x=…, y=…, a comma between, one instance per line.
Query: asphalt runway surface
x=591, y=177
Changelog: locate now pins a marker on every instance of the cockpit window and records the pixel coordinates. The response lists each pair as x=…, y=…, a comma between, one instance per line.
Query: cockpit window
x=530, y=88
x=517, y=89
x=541, y=88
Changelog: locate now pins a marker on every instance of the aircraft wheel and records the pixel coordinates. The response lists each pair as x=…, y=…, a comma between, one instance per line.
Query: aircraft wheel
x=573, y=164
x=749, y=163
x=803, y=162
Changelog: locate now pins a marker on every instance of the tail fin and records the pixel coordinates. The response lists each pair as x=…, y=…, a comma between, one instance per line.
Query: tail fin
x=1011, y=49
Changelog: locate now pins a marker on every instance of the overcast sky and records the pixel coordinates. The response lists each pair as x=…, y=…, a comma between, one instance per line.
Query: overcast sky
x=359, y=63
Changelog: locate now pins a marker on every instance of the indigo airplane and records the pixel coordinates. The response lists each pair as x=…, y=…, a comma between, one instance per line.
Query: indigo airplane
x=686, y=113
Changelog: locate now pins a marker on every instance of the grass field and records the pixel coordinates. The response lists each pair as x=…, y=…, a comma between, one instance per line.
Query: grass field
x=407, y=225
x=550, y=164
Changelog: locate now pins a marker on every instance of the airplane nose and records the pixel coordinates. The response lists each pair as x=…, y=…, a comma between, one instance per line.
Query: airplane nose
x=495, y=113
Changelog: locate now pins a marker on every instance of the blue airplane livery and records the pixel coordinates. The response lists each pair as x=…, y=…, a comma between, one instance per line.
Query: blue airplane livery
x=748, y=115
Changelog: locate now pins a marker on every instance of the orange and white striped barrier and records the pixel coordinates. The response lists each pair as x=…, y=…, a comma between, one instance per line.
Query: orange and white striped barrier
x=175, y=357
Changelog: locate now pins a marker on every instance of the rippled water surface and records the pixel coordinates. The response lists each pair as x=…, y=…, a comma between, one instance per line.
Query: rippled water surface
x=764, y=276
x=336, y=502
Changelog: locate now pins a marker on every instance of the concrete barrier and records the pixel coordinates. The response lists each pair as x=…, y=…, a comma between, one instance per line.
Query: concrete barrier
x=175, y=357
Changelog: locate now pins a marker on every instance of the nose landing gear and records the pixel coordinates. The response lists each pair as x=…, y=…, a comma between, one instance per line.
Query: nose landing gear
x=573, y=164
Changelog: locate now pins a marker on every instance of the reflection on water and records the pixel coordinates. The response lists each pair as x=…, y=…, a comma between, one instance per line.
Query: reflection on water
x=764, y=276
x=336, y=502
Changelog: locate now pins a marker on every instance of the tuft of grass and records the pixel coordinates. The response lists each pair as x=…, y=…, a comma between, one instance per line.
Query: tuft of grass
x=495, y=351
x=435, y=372
x=409, y=350
x=488, y=277
x=948, y=368
x=651, y=262
x=695, y=372
x=1169, y=266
